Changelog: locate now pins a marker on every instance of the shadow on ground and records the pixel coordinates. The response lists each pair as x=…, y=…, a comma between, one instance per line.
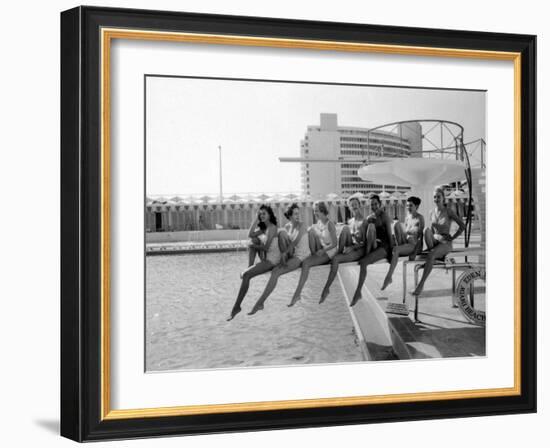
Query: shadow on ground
x=51, y=426
x=429, y=341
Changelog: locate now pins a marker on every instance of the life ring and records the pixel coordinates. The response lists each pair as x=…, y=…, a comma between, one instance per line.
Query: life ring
x=462, y=295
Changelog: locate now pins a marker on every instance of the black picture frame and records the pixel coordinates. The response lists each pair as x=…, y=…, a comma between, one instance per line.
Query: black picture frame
x=81, y=224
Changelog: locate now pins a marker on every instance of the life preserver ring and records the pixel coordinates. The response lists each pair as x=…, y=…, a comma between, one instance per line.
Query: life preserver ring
x=462, y=295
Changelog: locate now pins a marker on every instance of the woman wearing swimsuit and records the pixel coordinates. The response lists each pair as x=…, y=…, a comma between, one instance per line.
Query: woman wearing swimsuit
x=294, y=246
x=437, y=235
x=351, y=243
x=322, y=243
x=257, y=236
x=266, y=219
x=378, y=244
x=408, y=237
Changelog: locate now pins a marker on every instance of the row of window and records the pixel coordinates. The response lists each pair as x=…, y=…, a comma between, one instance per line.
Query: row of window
x=349, y=185
x=390, y=153
x=352, y=152
x=351, y=165
x=377, y=147
x=377, y=139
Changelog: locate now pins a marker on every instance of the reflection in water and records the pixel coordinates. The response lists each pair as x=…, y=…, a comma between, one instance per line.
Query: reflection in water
x=188, y=298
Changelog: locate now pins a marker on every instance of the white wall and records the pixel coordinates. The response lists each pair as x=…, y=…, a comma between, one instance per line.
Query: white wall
x=30, y=171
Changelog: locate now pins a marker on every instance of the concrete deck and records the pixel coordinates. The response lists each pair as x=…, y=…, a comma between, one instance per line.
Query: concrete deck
x=442, y=333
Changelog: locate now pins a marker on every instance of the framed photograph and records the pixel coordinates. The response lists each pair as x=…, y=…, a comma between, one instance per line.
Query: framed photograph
x=273, y=223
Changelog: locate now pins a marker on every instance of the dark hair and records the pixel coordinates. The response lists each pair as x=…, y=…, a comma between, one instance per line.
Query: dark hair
x=375, y=196
x=290, y=210
x=322, y=206
x=414, y=200
x=269, y=211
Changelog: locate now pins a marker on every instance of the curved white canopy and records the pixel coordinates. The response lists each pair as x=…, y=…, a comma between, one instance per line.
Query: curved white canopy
x=415, y=172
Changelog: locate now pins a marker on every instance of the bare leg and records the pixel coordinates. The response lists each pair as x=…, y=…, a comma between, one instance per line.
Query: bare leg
x=354, y=255
x=314, y=241
x=252, y=251
x=370, y=239
x=405, y=249
x=345, y=239
x=257, y=269
x=293, y=263
x=437, y=252
x=313, y=260
x=284, y=244
x=429, y=238
x=400, y=235
x=373, y=257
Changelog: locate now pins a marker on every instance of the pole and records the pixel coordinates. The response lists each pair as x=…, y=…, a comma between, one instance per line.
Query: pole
x=220, y=157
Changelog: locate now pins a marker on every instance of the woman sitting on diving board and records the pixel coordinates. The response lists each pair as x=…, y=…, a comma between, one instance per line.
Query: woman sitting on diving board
x=437, y=235
x=408, y=237
x=351, y=243
x=323, y=244
x=294, y=245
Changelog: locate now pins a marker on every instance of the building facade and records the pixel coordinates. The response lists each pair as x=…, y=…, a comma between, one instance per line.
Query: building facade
x=343, y=150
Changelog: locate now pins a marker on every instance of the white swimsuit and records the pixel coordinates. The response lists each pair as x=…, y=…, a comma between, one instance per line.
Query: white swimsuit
x=355, y=228
x=301, y=250
x=324, y=235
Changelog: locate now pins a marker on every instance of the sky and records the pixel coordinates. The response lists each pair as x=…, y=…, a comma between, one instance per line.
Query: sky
x=256, y=122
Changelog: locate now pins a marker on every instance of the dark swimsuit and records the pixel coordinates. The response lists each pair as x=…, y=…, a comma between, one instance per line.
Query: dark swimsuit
x=382, y=237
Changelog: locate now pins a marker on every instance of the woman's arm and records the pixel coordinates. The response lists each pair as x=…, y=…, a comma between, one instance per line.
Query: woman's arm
x=271, y=233
x=255, y=233
x=461, y=225
x=252, y=232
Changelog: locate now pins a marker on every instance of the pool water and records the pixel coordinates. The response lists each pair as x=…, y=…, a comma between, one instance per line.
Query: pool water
x=189, y=297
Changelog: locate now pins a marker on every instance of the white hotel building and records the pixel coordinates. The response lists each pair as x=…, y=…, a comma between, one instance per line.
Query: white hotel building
x=330, y=141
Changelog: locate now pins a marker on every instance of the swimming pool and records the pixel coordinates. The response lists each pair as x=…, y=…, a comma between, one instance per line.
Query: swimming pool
x=189, y=297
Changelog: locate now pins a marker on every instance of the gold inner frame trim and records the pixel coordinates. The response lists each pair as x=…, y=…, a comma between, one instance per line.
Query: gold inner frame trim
x=107, y=35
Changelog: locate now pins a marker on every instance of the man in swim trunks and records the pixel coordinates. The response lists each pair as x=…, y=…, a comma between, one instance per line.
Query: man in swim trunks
x=379, y=242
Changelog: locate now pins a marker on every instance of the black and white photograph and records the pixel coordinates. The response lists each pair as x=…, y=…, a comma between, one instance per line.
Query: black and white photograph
x=294, y=223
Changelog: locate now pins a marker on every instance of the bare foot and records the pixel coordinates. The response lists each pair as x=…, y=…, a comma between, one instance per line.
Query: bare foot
x=417, y=291
x=256, y=308
x=324, y=295
x=294, y=300
x=356, y=299
x=387, y=282
x=234, y=312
